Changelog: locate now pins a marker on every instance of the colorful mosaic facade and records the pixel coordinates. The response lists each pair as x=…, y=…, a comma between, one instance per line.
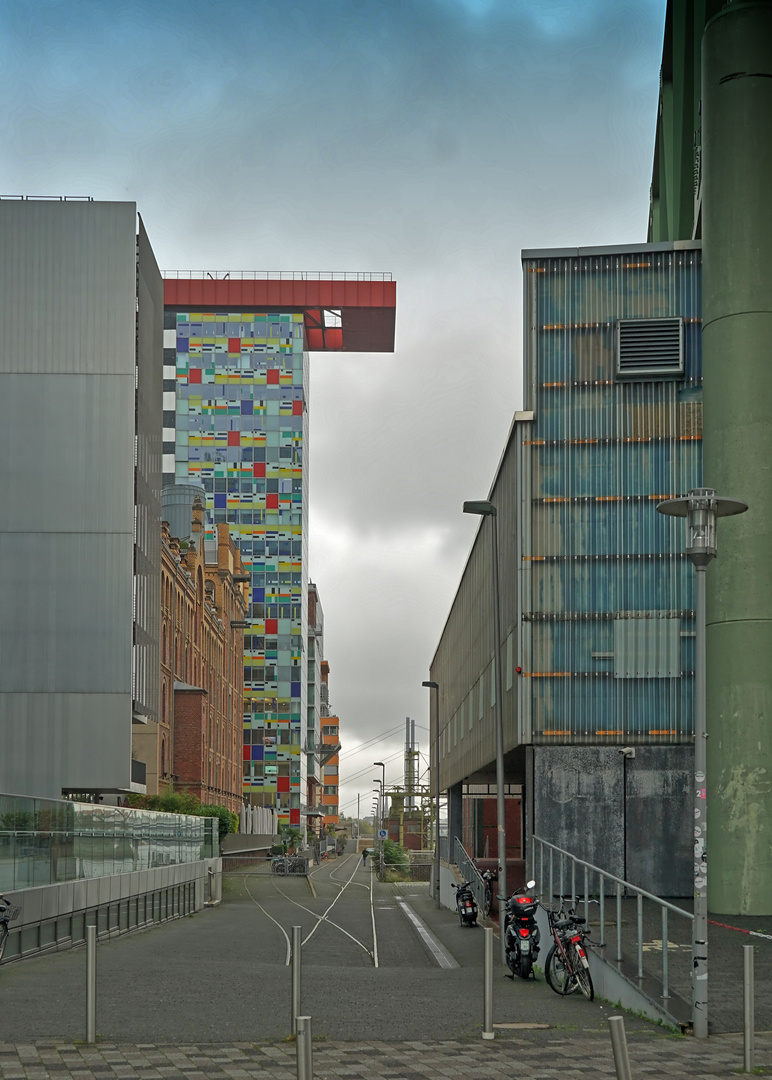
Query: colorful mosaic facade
x=241, y=426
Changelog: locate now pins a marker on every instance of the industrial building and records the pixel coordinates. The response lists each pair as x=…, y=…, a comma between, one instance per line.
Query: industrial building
x=596, y=596
x=595, y=592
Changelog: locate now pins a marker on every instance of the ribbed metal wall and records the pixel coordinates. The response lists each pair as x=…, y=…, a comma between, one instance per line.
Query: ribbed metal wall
x=147, y=481
x=608, y=620
x=68, y=311
x=595, y=591
x=462, y=665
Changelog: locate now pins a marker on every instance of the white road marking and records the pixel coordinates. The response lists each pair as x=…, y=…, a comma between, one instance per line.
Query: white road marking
x=440, y=954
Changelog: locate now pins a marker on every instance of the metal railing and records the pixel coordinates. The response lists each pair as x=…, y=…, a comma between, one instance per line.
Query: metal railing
x=465, y=863
x=599, y=883
x=45, y=841
x=277, y=275
x=445, y=848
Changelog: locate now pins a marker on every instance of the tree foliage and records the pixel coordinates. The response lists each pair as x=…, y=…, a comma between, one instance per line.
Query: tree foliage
x=183, y=802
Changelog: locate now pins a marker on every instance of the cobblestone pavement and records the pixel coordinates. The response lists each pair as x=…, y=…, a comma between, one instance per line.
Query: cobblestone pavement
x=536, y=1055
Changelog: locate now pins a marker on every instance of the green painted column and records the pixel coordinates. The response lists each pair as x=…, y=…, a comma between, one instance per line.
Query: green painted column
x=737, y=359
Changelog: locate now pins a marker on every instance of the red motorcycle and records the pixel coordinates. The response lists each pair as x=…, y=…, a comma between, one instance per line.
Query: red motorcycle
x=521, y=932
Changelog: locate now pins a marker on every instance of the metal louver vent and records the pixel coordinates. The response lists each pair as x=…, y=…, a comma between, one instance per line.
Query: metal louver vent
x=650, y=348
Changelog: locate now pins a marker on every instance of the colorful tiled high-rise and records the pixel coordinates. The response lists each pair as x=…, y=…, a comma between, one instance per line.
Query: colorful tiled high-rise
x=241, y=430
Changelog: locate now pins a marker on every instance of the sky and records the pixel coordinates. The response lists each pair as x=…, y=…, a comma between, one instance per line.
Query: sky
x=430, y=139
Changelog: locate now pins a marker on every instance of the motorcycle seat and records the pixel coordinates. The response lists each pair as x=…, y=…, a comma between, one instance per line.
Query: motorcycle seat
x=573, y=920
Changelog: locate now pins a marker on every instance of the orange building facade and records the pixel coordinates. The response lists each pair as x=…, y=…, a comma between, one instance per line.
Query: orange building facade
x=331, y=763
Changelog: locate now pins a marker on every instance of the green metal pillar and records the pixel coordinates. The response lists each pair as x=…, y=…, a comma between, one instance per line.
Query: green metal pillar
x=737, y=359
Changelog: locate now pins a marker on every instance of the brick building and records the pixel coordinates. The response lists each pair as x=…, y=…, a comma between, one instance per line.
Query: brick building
x=197, y=744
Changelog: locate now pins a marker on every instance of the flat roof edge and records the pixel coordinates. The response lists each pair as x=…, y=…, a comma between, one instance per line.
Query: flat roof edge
x=610, y=249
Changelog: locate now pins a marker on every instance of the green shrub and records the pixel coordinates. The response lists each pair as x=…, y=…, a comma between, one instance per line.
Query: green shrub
x=394, y=852
x=229, y=822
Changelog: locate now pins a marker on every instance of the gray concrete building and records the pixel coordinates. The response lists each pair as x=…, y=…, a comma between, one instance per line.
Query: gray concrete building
x=81, y=322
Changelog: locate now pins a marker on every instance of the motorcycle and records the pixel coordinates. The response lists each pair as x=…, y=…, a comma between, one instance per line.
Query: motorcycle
x=521, y=932
x=466, y=905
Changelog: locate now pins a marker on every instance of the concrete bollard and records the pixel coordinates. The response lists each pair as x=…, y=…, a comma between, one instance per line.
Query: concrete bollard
x=619, y=1047
x=296, y=932
x=488, y=993
x=91, y=937
x=305, y=1053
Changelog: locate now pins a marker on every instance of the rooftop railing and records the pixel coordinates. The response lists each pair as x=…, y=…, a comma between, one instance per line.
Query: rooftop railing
x=278, y=275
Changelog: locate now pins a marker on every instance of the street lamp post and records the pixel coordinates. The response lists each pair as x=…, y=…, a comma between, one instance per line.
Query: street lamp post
x=435, y=686
x=700, y=507
x=382, y=782
x=484, y=508
x=383, y=799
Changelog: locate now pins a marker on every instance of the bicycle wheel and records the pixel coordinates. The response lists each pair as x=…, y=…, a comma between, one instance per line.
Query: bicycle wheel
x=488, y=902
x=3, y=938
x=583, y=976
x=559, y=977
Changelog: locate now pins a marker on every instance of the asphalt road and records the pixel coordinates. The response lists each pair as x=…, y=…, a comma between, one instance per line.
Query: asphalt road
x=222, y=975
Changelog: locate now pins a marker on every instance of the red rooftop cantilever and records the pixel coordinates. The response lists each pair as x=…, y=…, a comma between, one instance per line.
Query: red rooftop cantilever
x=367, y=305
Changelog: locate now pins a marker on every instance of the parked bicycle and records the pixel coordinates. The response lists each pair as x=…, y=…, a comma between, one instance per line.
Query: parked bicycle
x=567, y=968
x=8, y=912
x=289, y=864
x=488, y=879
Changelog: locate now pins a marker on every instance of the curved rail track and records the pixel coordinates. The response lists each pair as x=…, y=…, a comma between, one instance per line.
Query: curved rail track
x=339, y=874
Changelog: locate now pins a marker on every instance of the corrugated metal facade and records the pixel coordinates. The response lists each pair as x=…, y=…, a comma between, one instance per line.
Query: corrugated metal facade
x=608, y=628
x=595, y=591
x=68, y=367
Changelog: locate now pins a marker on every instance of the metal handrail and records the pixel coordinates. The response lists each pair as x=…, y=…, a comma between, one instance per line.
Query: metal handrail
x=620, y=884
x=445, y=848
x=465, y=863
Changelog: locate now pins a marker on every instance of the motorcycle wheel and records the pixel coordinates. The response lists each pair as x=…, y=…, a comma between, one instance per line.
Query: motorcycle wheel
x=559, y=978
x=526, y=966
x=583, y=976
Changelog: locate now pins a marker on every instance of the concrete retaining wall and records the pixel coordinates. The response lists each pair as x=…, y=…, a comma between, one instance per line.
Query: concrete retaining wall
x=54, y=917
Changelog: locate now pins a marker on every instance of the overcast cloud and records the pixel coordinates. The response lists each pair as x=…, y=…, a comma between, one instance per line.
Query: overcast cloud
x=433, y=139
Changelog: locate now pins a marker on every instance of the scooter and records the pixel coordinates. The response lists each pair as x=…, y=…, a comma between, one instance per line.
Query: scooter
x=466, y=905
x=521, y=932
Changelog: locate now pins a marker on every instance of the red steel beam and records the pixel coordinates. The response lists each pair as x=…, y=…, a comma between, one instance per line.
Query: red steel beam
x=368, y=308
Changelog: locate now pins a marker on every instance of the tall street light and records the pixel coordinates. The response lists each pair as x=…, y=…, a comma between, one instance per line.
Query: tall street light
x=383, y=799
x=700, y=507
x=435, y=686
x=484, y=508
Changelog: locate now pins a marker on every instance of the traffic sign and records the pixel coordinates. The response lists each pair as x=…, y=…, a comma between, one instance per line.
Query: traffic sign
x=382, y=834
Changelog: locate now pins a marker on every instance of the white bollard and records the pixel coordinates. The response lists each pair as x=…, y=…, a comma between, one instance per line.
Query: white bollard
x=91, y=937
x=296, y=932
x=488, y=999
x=619, y=1047
x=749, y=1034
x=304, y=1049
